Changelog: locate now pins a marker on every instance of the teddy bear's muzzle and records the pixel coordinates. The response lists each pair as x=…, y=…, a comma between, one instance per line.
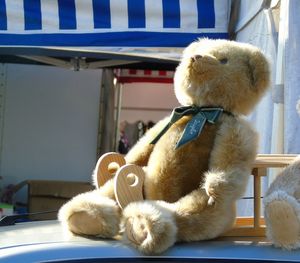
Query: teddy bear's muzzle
x=196, y=58
x=200, y=62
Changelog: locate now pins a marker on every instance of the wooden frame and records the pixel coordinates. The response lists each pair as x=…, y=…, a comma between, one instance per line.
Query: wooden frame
x=255, y=227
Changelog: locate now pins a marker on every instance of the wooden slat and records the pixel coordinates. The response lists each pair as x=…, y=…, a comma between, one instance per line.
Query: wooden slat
x=246, y=232
x=257, y=201
x=273, y=160
x=245, y=226
x=248, y=221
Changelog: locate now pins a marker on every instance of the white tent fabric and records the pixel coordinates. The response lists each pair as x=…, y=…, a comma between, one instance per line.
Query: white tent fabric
x=281, y=47
x=261, y=32
x=292, y=80
x=111, y=23
x=247, y=11
x=276, y=117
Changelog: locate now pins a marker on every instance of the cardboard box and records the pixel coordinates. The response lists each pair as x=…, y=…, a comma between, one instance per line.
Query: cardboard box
x=49, y=196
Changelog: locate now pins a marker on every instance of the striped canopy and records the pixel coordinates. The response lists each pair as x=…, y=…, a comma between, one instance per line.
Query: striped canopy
x=149, y=76
x=111, y=23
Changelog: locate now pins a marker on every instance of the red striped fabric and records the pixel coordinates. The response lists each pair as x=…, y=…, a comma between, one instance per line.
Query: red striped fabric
x=152, y=76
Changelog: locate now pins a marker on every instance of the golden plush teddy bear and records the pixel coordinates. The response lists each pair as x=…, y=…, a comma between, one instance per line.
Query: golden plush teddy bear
x=282, y=208
x=196, y=162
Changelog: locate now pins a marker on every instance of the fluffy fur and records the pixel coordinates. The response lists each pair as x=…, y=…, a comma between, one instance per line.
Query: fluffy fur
x=190, y=192
x=282, y=208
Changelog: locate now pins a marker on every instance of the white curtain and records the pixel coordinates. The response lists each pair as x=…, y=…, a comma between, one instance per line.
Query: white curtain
x=276, y=31
x=283, y=51
x=261, y=32
x=292, y=79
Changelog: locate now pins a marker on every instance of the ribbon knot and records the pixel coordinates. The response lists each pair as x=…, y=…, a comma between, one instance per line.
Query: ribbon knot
x=194, y=127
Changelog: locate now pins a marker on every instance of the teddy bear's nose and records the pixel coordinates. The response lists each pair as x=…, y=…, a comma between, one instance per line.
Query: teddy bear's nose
x=196, y=57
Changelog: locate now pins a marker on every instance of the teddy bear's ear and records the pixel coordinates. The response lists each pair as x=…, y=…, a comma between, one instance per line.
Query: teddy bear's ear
x=259, y=73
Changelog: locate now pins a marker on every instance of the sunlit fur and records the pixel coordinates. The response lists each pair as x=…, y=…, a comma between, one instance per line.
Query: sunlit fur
x=87, y=213
x=241, y=81
x=282, y=208
x=191, y=191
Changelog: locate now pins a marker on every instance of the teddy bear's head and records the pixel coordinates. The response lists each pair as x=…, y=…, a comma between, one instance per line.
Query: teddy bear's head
x=221, y=73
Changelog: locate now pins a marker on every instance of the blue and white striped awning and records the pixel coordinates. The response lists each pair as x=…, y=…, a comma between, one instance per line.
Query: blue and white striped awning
x=111, y=23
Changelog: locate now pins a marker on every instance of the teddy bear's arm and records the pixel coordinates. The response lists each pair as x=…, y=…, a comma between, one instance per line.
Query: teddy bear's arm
x=231, y=159
x=140, y=152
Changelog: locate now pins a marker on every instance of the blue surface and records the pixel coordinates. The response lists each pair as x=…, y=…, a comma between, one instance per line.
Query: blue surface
x=44, y=241
x=117, y=39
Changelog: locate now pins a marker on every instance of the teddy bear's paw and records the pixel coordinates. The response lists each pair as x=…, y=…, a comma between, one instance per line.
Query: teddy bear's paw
x=283, y=223
x=149, y=226
x=90, y=214
x=214, y=184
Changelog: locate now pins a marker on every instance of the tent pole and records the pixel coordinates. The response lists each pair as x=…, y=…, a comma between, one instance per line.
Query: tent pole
x=277, y=143
x=3, y=76
x=119, y=89
x=106, y=124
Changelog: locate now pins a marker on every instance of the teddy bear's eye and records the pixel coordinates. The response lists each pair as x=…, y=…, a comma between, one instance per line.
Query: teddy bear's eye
x=223, y=60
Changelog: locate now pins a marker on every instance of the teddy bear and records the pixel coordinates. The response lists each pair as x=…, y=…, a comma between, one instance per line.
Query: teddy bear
x=197, y=161
x=282, y=206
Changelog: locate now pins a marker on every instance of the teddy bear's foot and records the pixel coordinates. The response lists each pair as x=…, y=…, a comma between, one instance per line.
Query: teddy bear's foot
x=149, y=226
x=283, y=224
x=91, y=214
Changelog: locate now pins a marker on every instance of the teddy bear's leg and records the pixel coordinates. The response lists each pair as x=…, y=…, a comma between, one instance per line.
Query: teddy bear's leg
x=93, y=213
x=282, y=214
x=198, y=219
x=149, y=226
x=154, y=226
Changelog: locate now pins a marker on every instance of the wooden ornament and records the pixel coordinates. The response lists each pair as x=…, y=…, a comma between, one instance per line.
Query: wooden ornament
x=129, y=182
x=128, y=178
x=104, y=168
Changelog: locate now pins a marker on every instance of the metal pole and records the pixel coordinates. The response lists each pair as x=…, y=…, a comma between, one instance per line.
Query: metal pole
x=3, y=74
x=119, y=89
